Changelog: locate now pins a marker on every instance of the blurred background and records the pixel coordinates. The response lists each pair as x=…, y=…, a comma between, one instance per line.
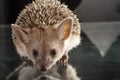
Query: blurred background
x=98, y=56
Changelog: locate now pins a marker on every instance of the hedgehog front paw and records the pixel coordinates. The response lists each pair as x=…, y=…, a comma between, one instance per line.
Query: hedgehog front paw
x=62, y=70
x=63, y=60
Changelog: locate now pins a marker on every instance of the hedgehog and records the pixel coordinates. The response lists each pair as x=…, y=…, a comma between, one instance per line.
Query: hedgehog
x=45, y=31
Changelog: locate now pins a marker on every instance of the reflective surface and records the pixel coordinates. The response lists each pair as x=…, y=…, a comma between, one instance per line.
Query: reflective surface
x=97, y=58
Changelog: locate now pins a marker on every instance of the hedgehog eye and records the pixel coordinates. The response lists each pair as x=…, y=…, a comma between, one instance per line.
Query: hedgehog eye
x=53, y=52
x=35, y=53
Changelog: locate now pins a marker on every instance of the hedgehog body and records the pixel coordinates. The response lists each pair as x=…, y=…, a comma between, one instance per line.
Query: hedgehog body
x=45, y=31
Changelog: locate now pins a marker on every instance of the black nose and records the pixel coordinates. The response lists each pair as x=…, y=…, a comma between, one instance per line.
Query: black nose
x=43, y=69
x=43, y=78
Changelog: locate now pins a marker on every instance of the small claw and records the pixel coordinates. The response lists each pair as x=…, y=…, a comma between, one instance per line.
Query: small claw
x=63, y=60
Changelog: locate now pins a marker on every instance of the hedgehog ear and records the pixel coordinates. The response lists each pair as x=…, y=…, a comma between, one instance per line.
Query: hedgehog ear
x=64, y=29
x=20, y=33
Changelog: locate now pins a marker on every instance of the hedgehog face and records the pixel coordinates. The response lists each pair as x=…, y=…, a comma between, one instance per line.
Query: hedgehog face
x=44, y=47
